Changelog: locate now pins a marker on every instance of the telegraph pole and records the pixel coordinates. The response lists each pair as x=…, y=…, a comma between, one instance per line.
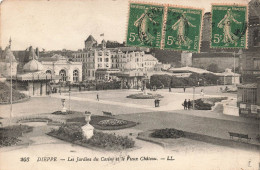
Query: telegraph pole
x=11, y=84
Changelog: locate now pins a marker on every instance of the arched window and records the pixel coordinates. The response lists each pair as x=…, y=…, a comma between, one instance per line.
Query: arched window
x=48, y=72
x=63, y=75
x=75, y=76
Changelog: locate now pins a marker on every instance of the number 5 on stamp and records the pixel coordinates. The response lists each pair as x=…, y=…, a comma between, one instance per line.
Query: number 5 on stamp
x=229, y=26
x=145, y=24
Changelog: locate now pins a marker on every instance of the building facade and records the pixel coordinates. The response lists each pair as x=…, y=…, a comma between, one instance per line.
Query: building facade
x=60, y=66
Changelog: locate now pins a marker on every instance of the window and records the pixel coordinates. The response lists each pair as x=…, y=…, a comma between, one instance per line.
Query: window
x=63, y=75
x=48, y=72
x=75, y=76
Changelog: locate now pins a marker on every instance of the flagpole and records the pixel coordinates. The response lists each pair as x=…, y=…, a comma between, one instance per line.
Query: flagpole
x=11, y=97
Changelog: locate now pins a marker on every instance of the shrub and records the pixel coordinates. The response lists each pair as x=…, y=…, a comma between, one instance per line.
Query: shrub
x=8, y=141
x=200, y=105
x=9, y=135
x=258, y=138
x=111, y=141
x=167, y=133
x=5, y=94
x=192, y=80
x=112, y=122
x=72, y=131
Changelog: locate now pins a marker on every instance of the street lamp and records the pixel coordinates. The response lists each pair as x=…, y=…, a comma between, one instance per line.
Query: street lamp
x=11, y=84
x=193, y=102
x=69, y=95
x=238, y=53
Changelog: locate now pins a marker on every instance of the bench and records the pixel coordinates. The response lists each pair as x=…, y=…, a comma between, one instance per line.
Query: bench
x=239, y=136
x=107, y=113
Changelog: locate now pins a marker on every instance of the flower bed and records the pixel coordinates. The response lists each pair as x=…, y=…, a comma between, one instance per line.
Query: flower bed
x=143, y=96
x=73, y=133
x=112, y=122
x=9, y=135
x=63, y=113
x=167, y=133
x=106, y=125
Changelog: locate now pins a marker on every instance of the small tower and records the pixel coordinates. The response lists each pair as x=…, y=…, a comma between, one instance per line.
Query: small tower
x=104, y=44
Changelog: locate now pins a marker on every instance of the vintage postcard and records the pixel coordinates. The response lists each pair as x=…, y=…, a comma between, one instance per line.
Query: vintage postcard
x=118, y=84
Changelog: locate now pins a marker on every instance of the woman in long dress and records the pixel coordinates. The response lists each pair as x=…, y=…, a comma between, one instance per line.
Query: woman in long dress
x=182, y=26
x=143, y=27
x=225, y=23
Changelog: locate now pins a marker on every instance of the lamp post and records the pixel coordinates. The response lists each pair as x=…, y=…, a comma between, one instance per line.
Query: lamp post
x=238, y=53
x=69, y=95
x=11, y=84
x=193, y=101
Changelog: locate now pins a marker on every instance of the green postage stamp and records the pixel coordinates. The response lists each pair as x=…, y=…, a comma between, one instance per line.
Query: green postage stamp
x=145, y=25
x=183, y=29
x=229, y=26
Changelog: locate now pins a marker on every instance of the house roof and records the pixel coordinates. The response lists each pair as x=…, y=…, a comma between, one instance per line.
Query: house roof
x=189, y=69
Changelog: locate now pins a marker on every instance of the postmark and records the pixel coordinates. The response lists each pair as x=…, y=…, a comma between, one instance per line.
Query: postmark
x=145, y=25
x=229, y=26
x=183, y=29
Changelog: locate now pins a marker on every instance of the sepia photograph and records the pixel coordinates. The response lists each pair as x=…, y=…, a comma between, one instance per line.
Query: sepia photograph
x=130, y=84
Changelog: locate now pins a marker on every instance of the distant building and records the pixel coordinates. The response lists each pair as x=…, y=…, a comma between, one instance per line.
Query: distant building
x=34, y=78
x=60, y=66
x=150, y=62
x=98, y=61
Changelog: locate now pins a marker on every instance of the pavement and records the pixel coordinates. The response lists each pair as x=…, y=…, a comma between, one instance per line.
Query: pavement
x=186, y=152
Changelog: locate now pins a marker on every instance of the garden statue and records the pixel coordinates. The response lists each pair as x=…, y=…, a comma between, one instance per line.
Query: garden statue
x=63, y=109
x=88, y=129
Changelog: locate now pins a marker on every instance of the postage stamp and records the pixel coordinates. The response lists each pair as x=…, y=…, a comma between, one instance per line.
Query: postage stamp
x=145, y=25
x=229, y=26
x=183, y=29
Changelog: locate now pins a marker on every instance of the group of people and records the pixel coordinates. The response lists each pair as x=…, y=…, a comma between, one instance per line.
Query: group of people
x=187, y=104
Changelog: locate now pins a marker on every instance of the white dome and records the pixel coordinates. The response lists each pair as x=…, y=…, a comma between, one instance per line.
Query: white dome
x=33, y=66
x=8, y=54
x=131, y=65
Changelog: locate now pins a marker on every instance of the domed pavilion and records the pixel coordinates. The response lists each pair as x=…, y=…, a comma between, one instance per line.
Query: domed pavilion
x=131, y=76
x=35, y=80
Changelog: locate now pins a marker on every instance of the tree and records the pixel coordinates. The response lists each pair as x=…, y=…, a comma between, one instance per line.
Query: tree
x=213, y=68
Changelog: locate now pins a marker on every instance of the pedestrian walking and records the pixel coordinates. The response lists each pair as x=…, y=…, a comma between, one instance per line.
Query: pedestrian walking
x=185, y=104
x=97, y=97
x=184, y=89
x=189, y=104
x=202, y=92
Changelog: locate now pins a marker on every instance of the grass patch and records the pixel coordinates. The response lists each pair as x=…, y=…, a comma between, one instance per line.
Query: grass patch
x=167, y=133
x=95, y=122
x=143, y=96
x=9, y=135
x=73, y=133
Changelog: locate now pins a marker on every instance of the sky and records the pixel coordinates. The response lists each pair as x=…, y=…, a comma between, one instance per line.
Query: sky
x=65, y=24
